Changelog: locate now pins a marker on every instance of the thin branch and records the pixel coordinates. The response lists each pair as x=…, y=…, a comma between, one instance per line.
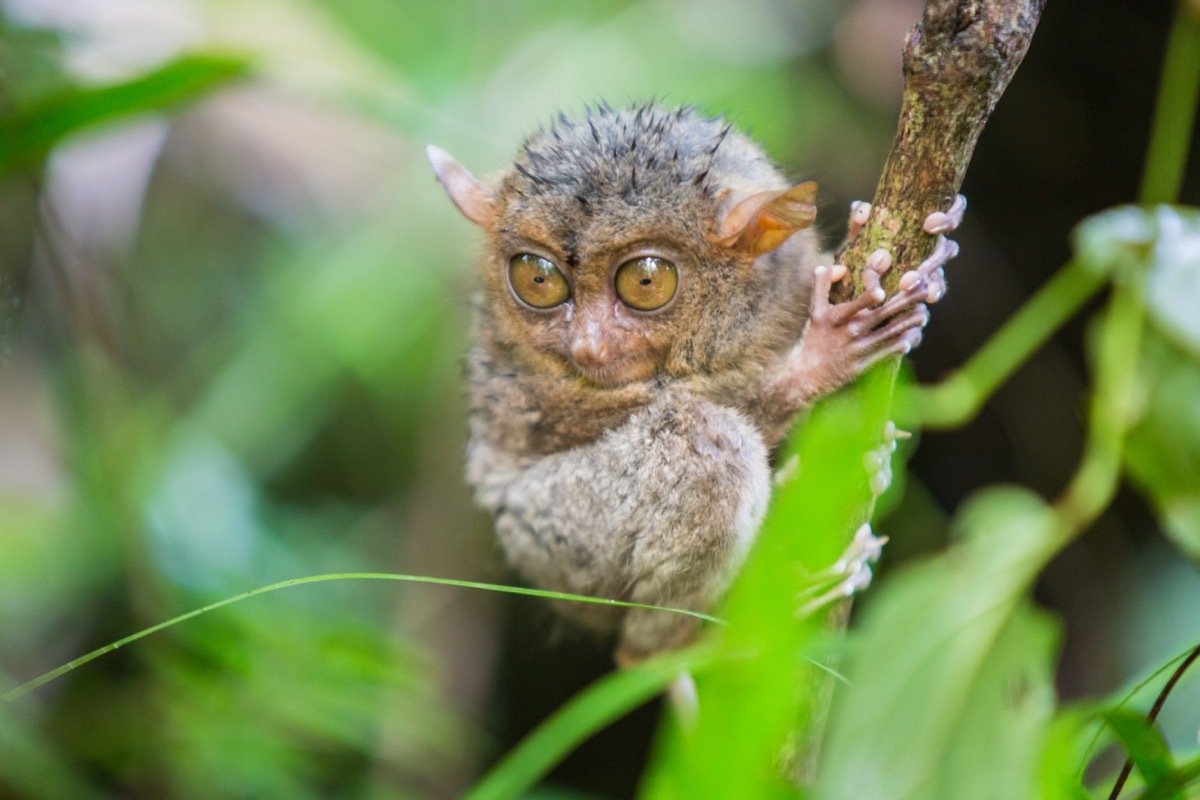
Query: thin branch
x=957, y=63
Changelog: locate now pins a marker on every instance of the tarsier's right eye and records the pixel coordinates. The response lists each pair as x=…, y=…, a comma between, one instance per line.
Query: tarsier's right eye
x=537, y=281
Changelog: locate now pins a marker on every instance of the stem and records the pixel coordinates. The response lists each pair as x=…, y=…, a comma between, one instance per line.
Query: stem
x=1112, y=408
x=959, y=397
x=1175, y=113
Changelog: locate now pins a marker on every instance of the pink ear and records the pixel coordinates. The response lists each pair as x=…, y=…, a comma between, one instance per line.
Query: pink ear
x=472, y=196
x=763, y=221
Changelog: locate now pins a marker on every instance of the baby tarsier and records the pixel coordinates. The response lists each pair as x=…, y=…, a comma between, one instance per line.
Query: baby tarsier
x=653, y=317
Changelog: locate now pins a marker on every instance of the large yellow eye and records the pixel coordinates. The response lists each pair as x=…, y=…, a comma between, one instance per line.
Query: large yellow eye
x=537, y=281
x=647, y=283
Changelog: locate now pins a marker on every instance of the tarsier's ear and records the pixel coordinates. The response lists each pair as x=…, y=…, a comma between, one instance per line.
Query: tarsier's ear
x=762, y=221
x=472, y=196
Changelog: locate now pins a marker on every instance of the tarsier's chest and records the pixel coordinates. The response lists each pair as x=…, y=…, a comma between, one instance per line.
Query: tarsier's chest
x=536, y=415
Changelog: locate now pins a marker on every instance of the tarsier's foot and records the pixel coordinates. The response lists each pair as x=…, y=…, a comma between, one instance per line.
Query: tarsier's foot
x=843, y=340
x=847, y=576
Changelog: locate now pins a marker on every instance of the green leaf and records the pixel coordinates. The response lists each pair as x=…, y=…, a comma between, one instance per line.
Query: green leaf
x=952, y=670
x=1168, y=788
x=30, y=131
x=1145, y=746
x=1114, y=239
x=27, y=687
x=1163, y=245
x=1160, y=246
x=1066, y=745
x=1162, y=452
x=1173, y=288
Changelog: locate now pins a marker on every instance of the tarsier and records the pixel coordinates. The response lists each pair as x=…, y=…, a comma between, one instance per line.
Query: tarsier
x=654, y=314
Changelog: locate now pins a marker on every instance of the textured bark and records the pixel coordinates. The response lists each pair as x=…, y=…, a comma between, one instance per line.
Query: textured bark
x=957, y=62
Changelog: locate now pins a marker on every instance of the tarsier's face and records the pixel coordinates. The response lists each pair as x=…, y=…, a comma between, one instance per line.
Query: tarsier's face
x=602, y=292
x=600, y=325
x=622, y=245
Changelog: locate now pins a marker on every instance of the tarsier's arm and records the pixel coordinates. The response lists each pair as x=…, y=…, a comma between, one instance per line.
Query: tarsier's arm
x=842, y=341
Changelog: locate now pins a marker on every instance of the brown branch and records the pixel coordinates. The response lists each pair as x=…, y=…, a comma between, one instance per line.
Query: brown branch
x=957, y=62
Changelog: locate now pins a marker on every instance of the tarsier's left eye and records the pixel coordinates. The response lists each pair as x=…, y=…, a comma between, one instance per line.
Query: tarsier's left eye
x=538, y=281
x=647, y=283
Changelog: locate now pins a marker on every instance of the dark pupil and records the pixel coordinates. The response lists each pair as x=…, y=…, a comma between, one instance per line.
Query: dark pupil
x=538, y=279
x=645, y=281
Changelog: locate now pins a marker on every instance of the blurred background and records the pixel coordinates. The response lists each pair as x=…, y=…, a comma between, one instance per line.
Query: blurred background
x=233, y=303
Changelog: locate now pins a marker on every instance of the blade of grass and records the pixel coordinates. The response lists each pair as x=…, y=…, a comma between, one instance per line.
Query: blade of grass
x=58, y=672
x=31, y=131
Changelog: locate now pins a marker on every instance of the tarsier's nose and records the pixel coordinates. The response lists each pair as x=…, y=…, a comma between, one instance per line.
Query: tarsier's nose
x=589, y=346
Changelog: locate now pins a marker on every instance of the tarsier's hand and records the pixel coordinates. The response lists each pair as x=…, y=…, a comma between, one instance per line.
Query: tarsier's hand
x=843, y=340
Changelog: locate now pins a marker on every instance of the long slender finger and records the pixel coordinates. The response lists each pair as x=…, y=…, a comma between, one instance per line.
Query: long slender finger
x=899, y=347
x=943, y=251
x=914, y=319
x=948, y=220
x=912, y=291
x=860, y=212
x=822, y=283
x=873, y=294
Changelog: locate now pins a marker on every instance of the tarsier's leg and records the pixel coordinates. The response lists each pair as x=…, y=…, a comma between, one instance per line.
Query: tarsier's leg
x=660, y=510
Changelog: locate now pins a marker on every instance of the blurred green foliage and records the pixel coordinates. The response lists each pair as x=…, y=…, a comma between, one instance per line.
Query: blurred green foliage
x=232, y=304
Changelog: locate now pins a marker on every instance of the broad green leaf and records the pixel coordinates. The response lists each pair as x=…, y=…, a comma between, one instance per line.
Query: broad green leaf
x=1168, y=788
x=1066, y=745
x=951, y=673
x=1163, y=245
x=1145, y=746
x=1162, y=452
x=29, y=131
x=1114, y=239
x=1173, y=290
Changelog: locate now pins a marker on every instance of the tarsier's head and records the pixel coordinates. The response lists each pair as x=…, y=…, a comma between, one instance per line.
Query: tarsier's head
x=635, y=242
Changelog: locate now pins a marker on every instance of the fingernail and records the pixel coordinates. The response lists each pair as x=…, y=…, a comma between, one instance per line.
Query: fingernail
x=938, y=222
x=879, y=261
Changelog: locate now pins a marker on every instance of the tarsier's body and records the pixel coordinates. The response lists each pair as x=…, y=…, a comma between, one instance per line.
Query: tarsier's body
x=652, y=319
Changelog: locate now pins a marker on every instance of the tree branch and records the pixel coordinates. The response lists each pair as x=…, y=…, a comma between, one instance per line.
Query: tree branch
x=957, y=62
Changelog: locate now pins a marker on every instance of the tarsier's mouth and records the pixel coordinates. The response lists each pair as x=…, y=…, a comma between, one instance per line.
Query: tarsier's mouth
x=616, y=371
